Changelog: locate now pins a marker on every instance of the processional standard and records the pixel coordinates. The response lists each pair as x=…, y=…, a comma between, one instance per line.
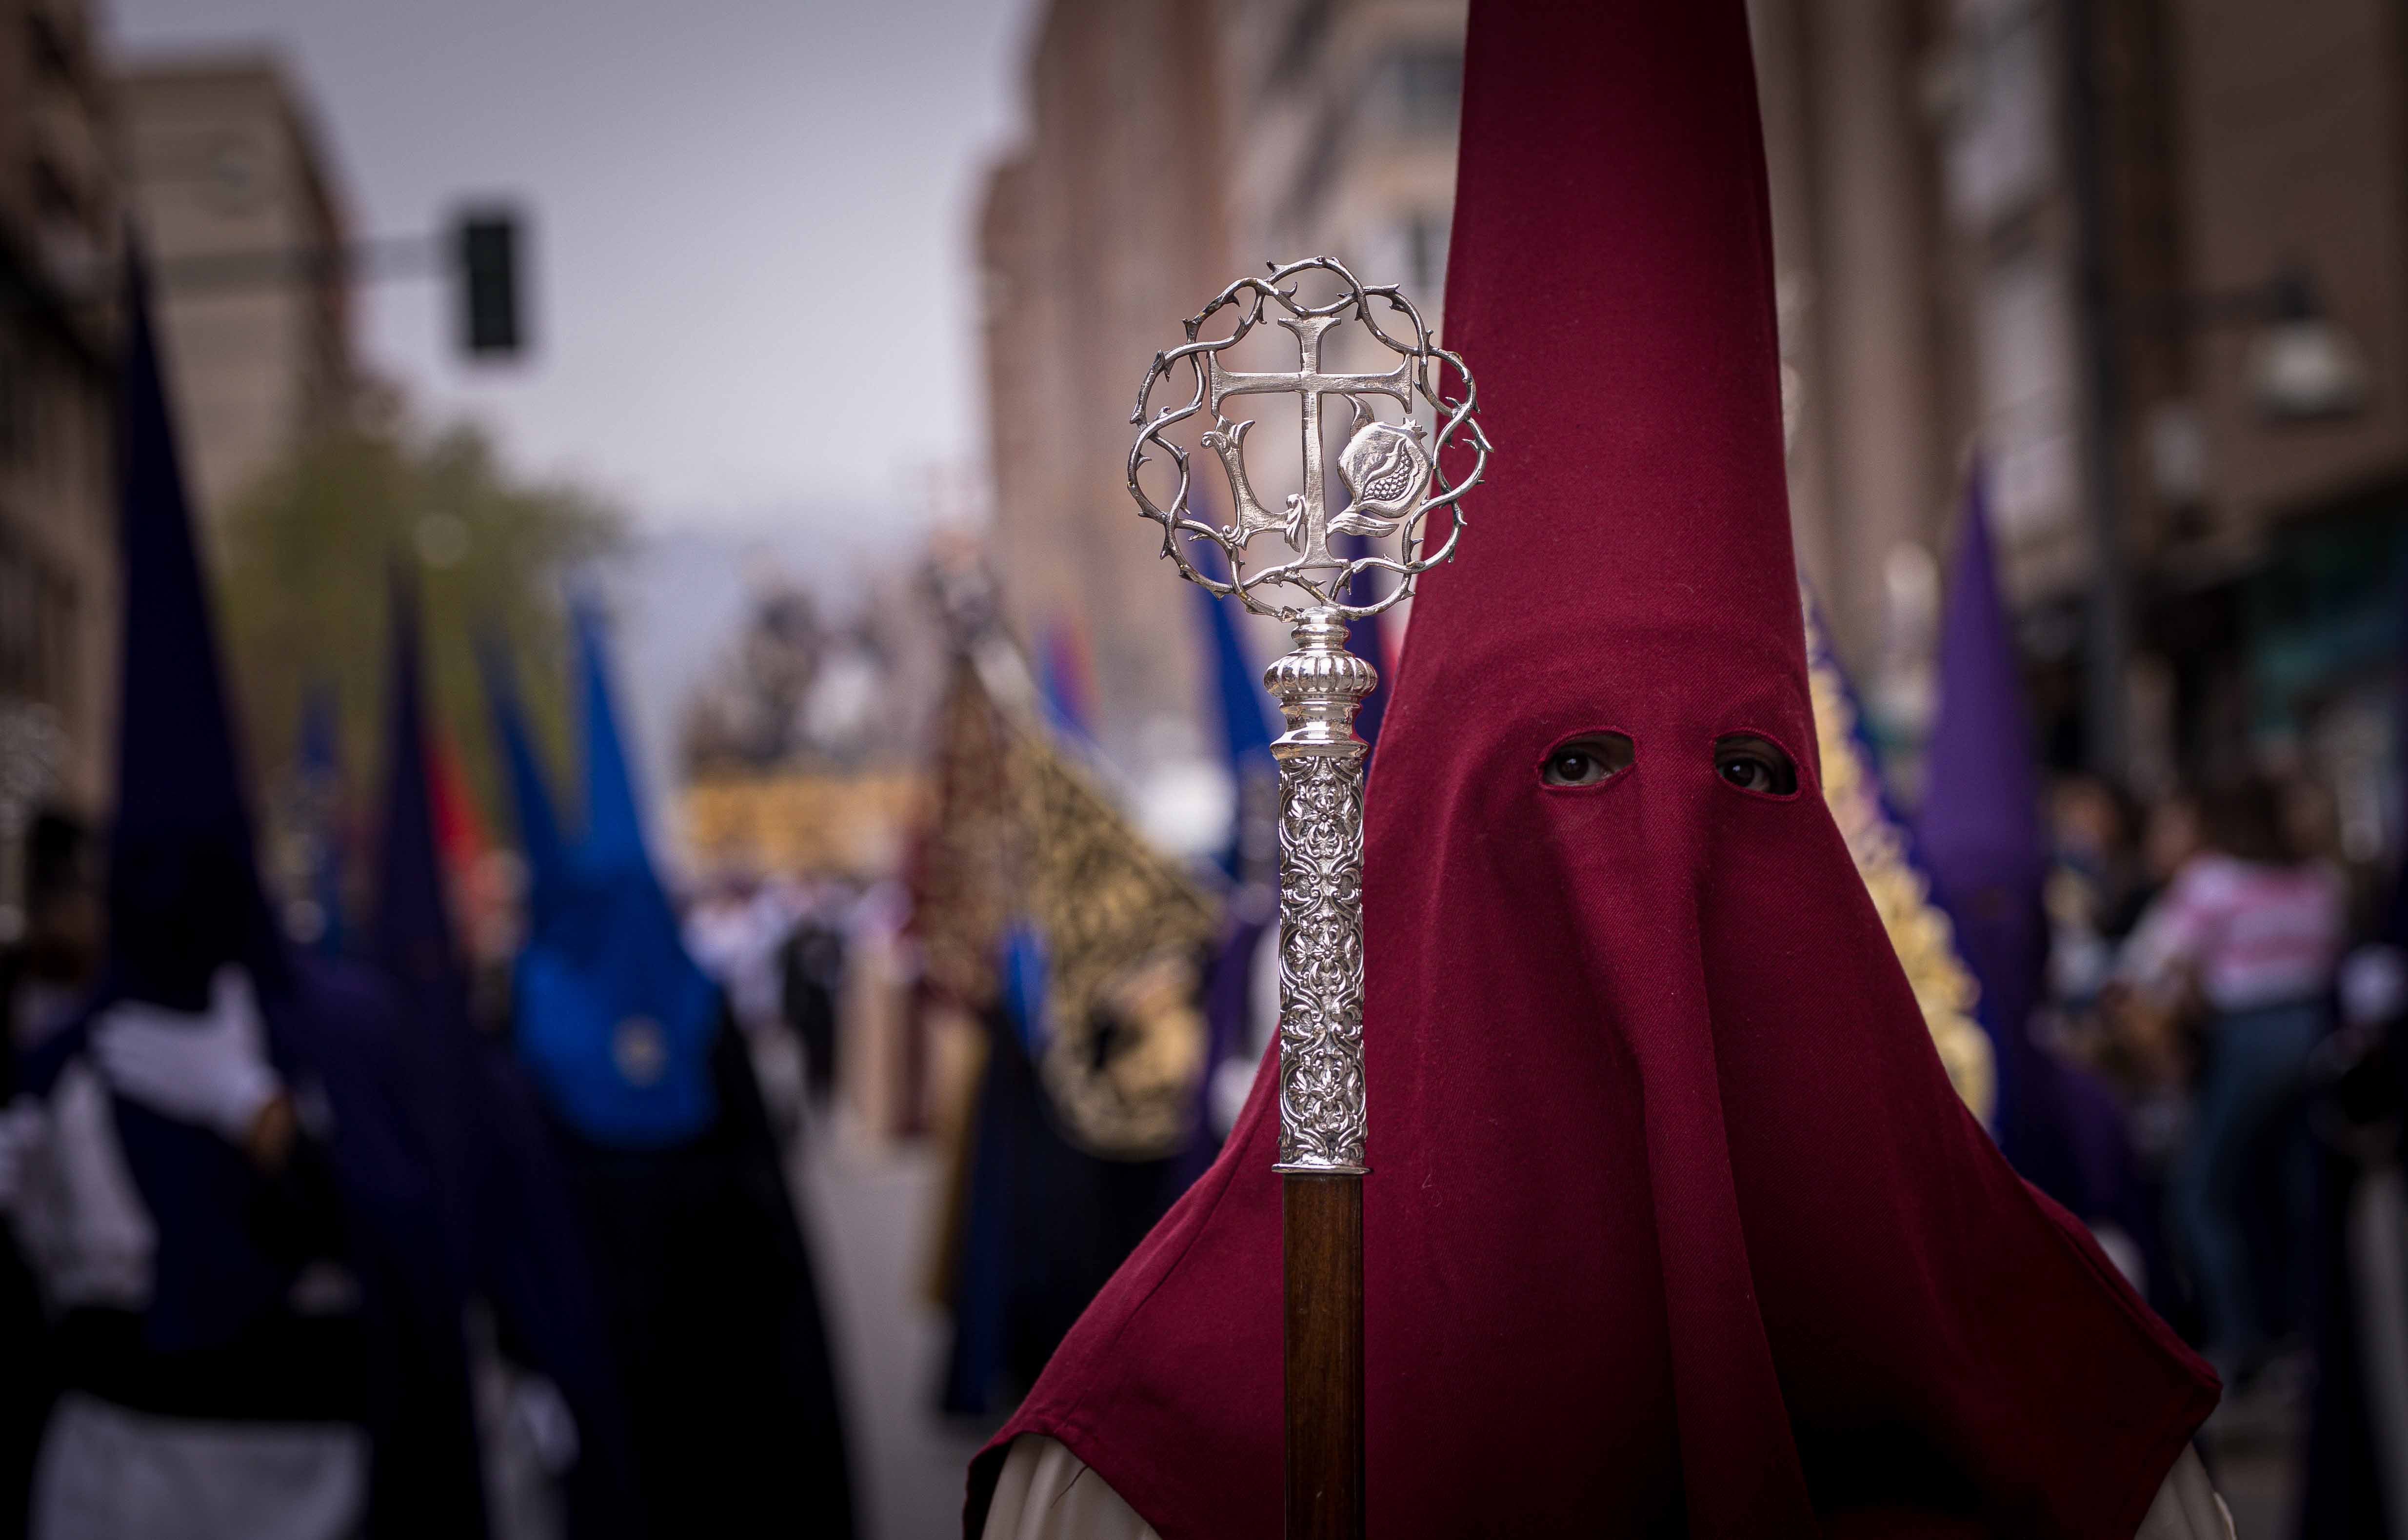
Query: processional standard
x=1397, y=476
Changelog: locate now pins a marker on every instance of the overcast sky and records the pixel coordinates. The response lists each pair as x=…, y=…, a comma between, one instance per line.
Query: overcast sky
x=751, y=222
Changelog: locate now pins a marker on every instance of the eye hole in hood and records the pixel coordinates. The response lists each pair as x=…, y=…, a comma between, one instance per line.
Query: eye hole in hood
x=1756, y=765
x=1590, y=760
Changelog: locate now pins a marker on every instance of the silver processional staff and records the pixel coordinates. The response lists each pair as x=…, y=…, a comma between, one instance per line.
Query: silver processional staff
x=1394, y=480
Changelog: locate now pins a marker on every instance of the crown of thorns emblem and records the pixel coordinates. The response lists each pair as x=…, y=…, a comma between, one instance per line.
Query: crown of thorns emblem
x=1394, y=473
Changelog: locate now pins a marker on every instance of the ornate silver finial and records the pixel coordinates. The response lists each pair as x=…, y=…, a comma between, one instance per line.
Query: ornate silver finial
x=1394, y=473
x=1395, y=476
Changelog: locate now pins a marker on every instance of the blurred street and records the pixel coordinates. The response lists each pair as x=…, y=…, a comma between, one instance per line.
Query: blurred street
x=872, y=1212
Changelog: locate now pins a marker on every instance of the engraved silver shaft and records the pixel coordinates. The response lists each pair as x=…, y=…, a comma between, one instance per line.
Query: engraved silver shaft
x=1323, y=1116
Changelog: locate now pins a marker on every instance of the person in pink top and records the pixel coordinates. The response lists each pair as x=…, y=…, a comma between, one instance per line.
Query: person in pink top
x=2253, y=931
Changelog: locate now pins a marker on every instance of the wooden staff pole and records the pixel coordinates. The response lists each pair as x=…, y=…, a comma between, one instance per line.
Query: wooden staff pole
x=1322, y=1110
x=1322, y=1254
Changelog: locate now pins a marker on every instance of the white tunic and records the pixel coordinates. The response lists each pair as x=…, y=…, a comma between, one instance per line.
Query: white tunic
x=1046, y=1493
x=106, y=1472
x=109, y=1474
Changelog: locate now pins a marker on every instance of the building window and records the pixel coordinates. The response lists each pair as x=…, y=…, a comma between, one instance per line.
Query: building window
x=54, y=53
x=37, y=617
x=2025, y=375
x=55, y=194
x=1425, y=235
x=1408, y=249
x=16, y=404
x=59, y=673
x=1299, y=49
x=1416, y=88
x=22, y=622
x=1318, y=175
x=1999, y=150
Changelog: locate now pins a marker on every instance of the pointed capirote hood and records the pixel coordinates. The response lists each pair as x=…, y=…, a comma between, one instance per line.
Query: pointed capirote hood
x=1674, y=1223
x=1368, y=639
x=1240, y=723
x=1242, y=715
x=1979, y=825
x=613, y=1019
x=1239, y=709
x=1979, y=834
x=541, y=843
x=459, y=828
x=512, y=1215
x=322, y=786
x=1066, y=684
x=184, y=890
x=412, y=934
x=613, y=837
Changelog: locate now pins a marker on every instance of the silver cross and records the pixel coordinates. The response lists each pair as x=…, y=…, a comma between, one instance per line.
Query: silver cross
x=1306, y=521
x=1390, y=471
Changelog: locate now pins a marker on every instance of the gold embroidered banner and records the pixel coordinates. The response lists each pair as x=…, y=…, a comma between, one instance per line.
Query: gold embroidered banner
x=1024, y=836
x=1924, y=940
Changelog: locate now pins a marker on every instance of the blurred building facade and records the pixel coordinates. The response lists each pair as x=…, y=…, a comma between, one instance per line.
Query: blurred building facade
x=1348, y=115
x=59, y=210
x=1107, y=226
x=2280, y=550
x=2142, y=259
x=1173, y=147
x=243, y=214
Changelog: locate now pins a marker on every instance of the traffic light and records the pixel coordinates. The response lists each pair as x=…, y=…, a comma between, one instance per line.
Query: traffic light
x=487, y=248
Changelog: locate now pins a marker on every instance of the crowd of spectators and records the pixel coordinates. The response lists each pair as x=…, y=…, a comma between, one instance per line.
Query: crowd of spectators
x=2237, y=982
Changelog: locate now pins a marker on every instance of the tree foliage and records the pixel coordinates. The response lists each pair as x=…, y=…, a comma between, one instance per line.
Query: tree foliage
x=305, y=559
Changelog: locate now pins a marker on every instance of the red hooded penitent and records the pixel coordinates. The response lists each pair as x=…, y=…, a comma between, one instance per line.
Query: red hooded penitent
x=1674, y=1224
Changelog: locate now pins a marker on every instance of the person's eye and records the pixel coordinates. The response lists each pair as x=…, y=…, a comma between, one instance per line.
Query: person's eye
x=1755, y=764
x=1589, y=761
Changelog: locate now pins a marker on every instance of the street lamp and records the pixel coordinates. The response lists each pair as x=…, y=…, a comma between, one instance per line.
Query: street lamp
x=2303, y=367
